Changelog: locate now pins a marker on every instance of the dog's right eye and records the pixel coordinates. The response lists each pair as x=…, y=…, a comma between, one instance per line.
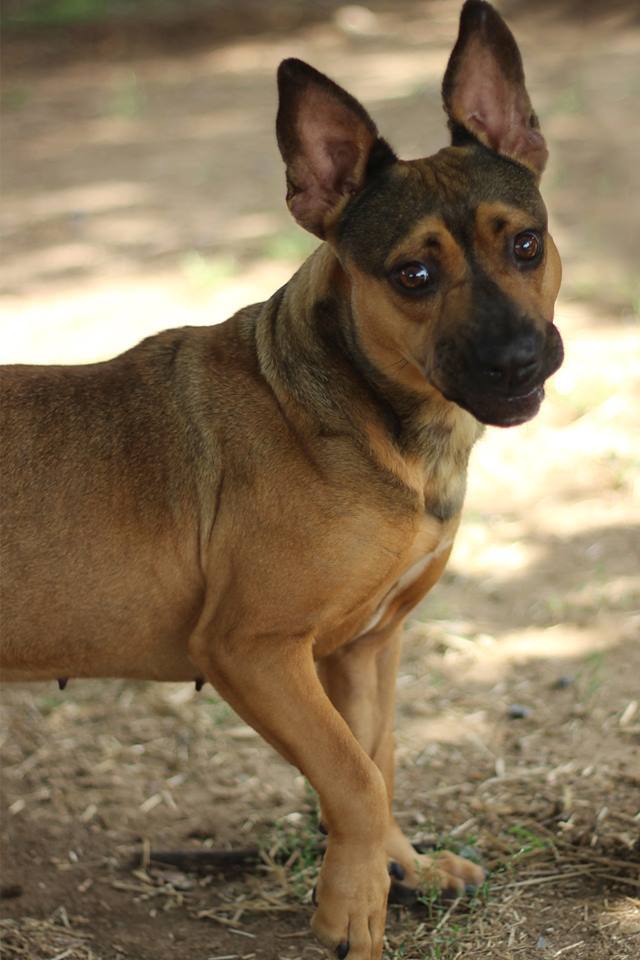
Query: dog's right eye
x=413, y=277
x=527, y=248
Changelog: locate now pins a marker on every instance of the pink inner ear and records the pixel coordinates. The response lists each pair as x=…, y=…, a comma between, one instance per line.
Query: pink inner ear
x=323, y=173
x=331, y=140
x=485, y=98
x=343, y=156
x=325, y=138
x=496, y=109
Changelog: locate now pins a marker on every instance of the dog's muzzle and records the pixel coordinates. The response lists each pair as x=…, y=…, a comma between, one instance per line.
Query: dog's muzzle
x=499, y=380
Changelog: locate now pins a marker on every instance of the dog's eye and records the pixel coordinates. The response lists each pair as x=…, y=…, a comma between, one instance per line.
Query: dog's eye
x=413, y=277
x=527, y=246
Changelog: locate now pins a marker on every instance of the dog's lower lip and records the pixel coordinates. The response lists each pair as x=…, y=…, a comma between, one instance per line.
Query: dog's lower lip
x=520, y=397
x=505, y=412
x=523, y=407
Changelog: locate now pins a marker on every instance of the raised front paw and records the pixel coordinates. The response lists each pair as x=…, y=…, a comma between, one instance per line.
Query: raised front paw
x=351, y=899
x=442, y=873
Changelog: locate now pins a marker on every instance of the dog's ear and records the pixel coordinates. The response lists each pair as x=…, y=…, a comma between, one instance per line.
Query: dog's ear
x=484, y=92
x=328, y=142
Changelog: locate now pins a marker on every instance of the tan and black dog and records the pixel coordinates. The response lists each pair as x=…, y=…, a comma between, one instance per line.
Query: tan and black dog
x=261, y=503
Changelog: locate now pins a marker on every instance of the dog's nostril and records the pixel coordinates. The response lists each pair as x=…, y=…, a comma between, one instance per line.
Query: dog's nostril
x=510, y=367
x=522, y=372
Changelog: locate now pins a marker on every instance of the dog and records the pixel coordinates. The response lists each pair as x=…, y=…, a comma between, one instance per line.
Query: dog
x=261, y=503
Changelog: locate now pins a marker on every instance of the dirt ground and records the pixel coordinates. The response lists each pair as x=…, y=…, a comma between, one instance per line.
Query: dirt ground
x=142, y=189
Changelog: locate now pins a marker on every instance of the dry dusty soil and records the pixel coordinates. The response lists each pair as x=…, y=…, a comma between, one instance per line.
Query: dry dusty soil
x=142, y=189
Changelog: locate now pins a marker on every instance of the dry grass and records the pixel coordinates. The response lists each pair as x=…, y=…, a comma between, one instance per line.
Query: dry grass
x=57, y=938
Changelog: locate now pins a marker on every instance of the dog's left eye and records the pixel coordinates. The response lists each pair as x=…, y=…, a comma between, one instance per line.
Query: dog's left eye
x=413, y=277
x=527, y=246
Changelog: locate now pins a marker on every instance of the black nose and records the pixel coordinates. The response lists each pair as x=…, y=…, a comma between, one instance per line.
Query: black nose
x=509, y=364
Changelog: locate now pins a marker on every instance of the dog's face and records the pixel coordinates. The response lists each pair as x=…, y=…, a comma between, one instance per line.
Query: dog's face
x=453, y=274
x=460, y=282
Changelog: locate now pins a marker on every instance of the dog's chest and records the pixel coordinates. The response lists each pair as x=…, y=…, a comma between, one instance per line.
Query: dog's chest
x=400, y=571
x=423, y=554
x=409, y=586
x=399, y=550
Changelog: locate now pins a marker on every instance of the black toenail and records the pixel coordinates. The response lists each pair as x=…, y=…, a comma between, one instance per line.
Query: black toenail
x=470, y=889
x=342, y=950
x=426, y=847
x=396, y=870
x=403, y=895
x=449, y=895
x=323, y=829
x=314, y=896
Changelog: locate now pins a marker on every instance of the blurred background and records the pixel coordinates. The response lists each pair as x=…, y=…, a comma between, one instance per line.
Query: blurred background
x=142, y=189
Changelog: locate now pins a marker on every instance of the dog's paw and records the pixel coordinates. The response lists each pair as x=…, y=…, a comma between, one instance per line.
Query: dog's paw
x=441, y=874
x=351, y=898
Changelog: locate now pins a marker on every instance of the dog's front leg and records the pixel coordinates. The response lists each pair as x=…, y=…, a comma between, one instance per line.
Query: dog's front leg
x=360, y=680
x=274, y=686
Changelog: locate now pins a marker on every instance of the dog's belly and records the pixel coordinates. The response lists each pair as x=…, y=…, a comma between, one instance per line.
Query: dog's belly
x=164, y=665
x=105, y=612
x=102, y=648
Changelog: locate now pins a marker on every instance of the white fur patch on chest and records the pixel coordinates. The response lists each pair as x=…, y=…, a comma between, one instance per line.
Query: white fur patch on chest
x=407, y=579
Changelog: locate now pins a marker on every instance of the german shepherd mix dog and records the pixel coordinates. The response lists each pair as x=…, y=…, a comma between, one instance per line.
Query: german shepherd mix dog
x=261, y=503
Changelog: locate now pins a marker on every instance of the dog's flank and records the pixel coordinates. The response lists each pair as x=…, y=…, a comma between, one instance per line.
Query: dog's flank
x=260, y=504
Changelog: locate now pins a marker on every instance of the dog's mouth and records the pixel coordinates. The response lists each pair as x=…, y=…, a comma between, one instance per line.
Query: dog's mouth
x=511, y=411
x=501, y=402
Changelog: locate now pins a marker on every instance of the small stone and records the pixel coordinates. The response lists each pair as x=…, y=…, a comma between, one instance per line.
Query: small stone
x=471, y=853
x=561, y=683
x=541, y=944
x=518, y=712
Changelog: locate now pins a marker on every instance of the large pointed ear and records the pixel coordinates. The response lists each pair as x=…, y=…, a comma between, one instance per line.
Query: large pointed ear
x=327, y=141
x=484, y=92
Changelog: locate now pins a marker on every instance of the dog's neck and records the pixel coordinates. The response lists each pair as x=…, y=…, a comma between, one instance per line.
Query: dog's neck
x=309, y=352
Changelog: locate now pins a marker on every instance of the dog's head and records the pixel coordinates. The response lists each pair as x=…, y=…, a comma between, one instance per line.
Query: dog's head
x=452, y=273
